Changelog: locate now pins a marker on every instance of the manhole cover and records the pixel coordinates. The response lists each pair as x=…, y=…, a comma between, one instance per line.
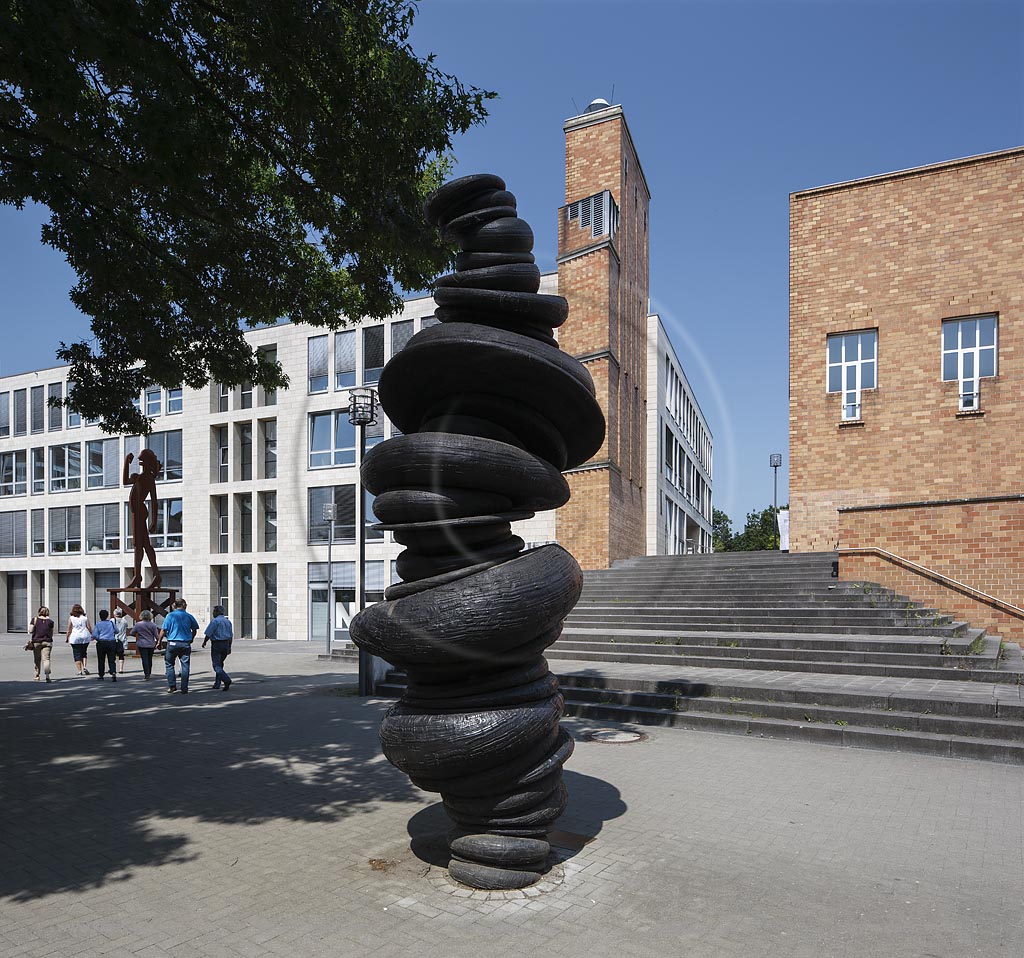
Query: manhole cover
x=615, y=736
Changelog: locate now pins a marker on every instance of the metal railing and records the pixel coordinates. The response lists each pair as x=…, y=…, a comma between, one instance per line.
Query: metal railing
x=938, y=577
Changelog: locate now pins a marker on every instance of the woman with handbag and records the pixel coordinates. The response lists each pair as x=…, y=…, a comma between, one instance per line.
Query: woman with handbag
x=79, y=635
x=40, y=641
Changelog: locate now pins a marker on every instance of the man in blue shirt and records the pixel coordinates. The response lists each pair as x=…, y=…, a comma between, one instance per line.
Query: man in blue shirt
x=219, y=634
x=179, y=629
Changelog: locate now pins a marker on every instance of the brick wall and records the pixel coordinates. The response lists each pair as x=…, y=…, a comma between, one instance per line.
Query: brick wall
x=979, y=543
x=606, y=285
x=899, y=254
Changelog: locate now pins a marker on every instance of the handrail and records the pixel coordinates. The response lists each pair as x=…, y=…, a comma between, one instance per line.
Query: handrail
x=938, y=576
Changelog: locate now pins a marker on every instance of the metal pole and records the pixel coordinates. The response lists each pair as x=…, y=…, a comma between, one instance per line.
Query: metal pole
x=365, y=659
x=775, y=500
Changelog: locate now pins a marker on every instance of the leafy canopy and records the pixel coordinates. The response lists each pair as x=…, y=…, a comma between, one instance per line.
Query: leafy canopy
x=759, y=531
x=215, y=164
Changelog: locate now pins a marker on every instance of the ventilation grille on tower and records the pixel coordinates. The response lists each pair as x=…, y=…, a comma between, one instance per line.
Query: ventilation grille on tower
x=598, y=213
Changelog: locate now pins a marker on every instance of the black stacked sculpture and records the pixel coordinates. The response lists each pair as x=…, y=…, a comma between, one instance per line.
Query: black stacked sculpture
x=492, y=412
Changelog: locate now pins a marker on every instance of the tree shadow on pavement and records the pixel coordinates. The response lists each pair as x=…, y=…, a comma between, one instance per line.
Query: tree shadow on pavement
x=92, y=773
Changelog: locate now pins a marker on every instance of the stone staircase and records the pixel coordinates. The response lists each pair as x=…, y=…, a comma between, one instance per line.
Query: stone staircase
x=770, y=644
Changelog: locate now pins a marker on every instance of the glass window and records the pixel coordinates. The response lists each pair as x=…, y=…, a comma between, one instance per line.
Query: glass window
x=55, y=412
x=401, y=333
x=373, y=353
x=38, y=465
x=223, y=541
x=175, y=401
x=38, y=532
x=317, y=360
x=245, y=523
x=344, y=526
x=969, y=353
x=345, y=359
x=245, y=395
x=66, y=467
x=13, y=480
x=269, y=600
x=332, y=440
x=223, y=397
x=168, y=527
x=852, y=366
x=222, y=454
x=102, y=465
x=245, y=450
x=270, y=449
x=5, y=414
x=37, y=408
x=167, y=447
x=270, y=355
x=13, y=535
x=101, y=528
x=269, y=521
x=66, y=530
x=153, y=396
x=20, y=423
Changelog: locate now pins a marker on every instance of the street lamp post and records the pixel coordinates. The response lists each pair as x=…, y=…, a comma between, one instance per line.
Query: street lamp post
x=775, y=460
x=329, y=517
x=362, y=412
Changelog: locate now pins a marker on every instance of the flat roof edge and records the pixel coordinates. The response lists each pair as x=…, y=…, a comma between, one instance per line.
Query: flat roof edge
x=912, y=171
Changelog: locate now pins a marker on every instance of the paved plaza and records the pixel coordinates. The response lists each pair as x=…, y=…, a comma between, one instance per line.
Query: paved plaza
x=264, y=821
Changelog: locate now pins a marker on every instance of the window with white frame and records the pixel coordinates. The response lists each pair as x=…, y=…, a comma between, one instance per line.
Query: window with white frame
x=852, y=367
x=38, y=532
x=317, y=363
x=37, y=464
x=154, y=400
x=55, y=393
x=66, y=530
x=5, y=415
x=174, y=401
x=167, y=447
x=223, y=542
x=332, y=440
x=167, y=532
x=12, y=473
x=969, y=353
x=66, y=467
x=222, y=454
x=37, y=409
x=101, y=463
x=101, y=528
x=245, y=395
x=373, y=353
x=345, y=359
x=13, y=534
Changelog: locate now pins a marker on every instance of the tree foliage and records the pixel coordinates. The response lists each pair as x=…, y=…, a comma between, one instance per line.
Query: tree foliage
x=210, y=165
x=759, y=531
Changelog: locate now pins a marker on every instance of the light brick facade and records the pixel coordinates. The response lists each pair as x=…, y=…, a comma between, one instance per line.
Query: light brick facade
x=900, y=256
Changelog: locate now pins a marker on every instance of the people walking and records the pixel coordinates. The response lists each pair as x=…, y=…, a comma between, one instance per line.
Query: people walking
x=106, y=645
x=219, y=634
x=40, y=640
x=79, y=634
x=121, y=628
x=146, y=634
x=179, y=629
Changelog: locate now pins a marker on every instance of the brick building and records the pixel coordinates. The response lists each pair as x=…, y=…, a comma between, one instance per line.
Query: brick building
x=907, y=381
x=247, y=474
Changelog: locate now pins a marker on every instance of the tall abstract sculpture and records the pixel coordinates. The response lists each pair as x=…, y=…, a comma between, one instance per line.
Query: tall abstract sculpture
x=492, y=412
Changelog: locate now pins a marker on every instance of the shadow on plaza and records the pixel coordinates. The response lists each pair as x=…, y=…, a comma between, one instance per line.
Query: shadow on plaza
x=93, y=774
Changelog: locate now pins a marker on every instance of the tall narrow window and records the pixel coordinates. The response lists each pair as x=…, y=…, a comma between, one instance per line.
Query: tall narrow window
x=317, y=360
x=269, y=575
x=245, y=395
x=222, y=454
x=270, y=449
x=852, y=365
x=245, y=451
x=223, y=542
x=174, y=401
x=223, y=397
x=969, y=353
x=270, y=355
x=269, y=521
x=345, y=359
x=37, y=407
x=167, y=446
x=38, y=532
x=373, y=353
x=20, y=424
x=245, y=523
x=38, y=468
x=5, y=415
x=55, y=413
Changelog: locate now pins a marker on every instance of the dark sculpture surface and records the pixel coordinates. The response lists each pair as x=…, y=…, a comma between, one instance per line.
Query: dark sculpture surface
x=492, y=412
x=142, y=521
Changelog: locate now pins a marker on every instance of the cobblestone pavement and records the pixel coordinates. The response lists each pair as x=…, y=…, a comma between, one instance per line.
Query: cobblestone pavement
x=263, y=821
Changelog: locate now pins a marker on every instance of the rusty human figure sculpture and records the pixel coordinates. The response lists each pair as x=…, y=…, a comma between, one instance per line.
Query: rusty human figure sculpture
x=491, y=412
x=142, y=520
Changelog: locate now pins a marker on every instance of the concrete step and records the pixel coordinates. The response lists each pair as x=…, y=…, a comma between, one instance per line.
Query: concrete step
x=951, y=631
x=738, y=610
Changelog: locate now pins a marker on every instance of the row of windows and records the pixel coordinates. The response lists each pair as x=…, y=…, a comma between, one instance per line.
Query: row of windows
x=22, y=469
x=25, y=532
x=682, y=472
x=970, y=348
x=244, y=524
x=244, y=455
x=359, y=354
x=682, y=410
x=682, y=535
x=243, y=394
x=29, y=411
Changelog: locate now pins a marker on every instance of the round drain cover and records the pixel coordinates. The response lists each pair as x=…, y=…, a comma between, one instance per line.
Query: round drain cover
x=615, y=736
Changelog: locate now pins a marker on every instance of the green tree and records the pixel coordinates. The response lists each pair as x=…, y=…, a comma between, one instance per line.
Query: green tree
x=721, y=531
x=759, y=531
x=210, y=165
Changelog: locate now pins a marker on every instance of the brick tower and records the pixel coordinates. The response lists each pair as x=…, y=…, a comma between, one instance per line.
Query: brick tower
x=603, y=272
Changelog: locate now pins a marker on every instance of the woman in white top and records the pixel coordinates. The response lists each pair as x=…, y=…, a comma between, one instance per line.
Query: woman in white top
x=79, y=635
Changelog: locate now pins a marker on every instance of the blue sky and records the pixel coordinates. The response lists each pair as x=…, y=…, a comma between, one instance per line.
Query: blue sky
x=732, y=107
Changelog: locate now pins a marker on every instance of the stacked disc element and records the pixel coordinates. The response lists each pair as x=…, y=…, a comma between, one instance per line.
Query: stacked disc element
x=491, y=413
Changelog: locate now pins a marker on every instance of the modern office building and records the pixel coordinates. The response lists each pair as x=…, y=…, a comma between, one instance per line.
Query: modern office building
x=907, y=381
x=247, y=474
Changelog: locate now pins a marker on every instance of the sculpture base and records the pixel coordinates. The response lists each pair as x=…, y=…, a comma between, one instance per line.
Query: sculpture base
x=142, y=600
